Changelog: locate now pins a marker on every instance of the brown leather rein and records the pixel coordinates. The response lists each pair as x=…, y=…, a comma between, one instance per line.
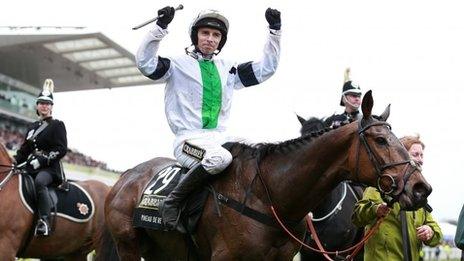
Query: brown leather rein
x=379, y=170
x=10, y=171
x=354, y=249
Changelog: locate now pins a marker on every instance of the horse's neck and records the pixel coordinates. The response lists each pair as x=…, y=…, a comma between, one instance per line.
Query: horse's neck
x=330, y=201
x=302, y=177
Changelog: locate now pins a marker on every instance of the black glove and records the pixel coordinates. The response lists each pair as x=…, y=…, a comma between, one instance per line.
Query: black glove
x=167, y=16
x=273, y=18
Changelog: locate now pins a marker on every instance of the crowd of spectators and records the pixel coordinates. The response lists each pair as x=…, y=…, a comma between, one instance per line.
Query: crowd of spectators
x=12, y=139
x=77, y=158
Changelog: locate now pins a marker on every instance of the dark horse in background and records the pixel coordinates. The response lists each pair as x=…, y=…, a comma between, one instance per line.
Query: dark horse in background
x=291, y=178
x=332, y=217
x=69, y=240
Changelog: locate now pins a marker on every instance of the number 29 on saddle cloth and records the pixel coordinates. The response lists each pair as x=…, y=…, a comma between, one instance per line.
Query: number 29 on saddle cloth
x=146, y=213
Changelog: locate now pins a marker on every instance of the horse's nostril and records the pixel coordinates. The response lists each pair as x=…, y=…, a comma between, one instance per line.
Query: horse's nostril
x=421, y=191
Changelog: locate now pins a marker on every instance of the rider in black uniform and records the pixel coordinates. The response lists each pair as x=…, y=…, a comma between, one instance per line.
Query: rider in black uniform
x=44, y=146
x=351, y=100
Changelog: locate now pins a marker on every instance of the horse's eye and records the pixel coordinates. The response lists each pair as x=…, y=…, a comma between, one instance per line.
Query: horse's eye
x=381, y=141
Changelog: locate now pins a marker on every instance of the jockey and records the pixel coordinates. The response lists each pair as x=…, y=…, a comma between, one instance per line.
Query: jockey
x=44, y=146
x=351, y=100
x=198, y=94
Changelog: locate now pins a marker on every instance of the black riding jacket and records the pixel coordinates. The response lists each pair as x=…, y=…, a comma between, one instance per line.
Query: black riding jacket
x=49, y=147
x=337, y=119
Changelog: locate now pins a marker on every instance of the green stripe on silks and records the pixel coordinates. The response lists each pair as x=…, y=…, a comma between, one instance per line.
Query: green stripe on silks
x=212, y=94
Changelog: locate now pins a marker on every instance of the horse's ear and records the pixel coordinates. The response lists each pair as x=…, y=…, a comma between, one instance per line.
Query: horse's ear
x=385, y=114
x=301, y=119
x=367, y=104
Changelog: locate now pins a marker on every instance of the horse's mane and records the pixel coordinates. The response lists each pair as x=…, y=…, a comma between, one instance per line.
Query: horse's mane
x=311, y=129
x=315, y=128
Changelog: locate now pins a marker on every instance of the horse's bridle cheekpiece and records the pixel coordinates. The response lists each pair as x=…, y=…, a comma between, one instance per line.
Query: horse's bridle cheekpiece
x=386, y=183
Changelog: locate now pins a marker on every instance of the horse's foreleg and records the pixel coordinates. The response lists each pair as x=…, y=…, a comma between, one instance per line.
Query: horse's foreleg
x=124, y=235
x=128, y=250
x=9, y=245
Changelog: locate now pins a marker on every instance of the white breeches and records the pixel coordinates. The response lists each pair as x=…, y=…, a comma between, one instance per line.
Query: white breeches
x=215, y=158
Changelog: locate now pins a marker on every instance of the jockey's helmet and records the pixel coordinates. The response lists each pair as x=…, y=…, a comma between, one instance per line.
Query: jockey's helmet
x=211, y=19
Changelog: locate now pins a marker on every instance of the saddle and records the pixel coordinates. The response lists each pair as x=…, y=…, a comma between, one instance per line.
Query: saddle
x=146, y=213
x=68, y=200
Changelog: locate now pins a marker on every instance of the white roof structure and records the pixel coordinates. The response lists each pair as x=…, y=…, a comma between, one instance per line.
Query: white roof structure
x=74, y=58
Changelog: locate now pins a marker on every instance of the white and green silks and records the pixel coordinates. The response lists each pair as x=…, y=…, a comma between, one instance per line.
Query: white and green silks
x=199, y=92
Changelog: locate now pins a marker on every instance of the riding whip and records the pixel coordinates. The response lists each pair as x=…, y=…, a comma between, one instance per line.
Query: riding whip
x=180, y=7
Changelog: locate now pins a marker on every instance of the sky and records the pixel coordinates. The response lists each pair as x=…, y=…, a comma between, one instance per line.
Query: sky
x=409, y=53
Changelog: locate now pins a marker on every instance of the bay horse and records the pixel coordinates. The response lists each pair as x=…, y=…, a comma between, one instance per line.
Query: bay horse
x=69, y=240
x=285, y=180
x=332, y=217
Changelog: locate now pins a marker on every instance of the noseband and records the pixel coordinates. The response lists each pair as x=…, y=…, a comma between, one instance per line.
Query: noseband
x=394, y=189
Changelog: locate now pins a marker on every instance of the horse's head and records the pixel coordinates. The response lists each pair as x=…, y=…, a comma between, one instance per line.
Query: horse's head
x=381, y=160
x=313, y=124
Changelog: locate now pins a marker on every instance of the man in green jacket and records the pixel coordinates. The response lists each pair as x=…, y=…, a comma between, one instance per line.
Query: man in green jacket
x=387, y=242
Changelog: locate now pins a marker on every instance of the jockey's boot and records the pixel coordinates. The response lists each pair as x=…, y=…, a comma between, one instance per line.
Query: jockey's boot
x=169, y=207
x=43, y=224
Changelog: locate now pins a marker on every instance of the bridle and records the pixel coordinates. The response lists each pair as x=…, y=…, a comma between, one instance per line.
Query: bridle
x=394, y=189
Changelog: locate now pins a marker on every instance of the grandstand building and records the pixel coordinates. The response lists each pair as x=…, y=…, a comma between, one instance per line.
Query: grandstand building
x=75, y=58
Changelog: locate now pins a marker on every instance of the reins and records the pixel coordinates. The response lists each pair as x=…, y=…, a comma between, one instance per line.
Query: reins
x=321, y=249
x=356, y=248
x=8, y=176
x=11, y=169
x=379, y=169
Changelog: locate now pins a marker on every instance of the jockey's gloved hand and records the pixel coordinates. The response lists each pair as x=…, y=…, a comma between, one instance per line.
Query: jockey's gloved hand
x=167, y=16
x=273, y=18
